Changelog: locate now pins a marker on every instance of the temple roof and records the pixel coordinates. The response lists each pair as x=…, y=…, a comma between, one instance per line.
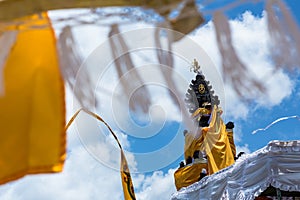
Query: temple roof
x=275, y=165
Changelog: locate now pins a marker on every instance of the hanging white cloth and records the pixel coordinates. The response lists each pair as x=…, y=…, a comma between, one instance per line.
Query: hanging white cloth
x=277, y=165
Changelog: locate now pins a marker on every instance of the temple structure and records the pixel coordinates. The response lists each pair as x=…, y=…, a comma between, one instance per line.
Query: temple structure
x=211, y=169
x=272, y=172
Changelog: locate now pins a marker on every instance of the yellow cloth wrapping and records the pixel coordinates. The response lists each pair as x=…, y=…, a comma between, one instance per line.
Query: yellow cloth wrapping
x=191, y=144
x=231, y=141
x=188, y=175
x=126, y=179
x=199, y=142
x=32, y=117
x=216, y=144
x=188, y=145
x=201, y=111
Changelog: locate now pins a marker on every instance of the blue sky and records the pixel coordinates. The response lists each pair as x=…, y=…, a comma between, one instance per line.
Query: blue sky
x=258, y=116
x=91, y=168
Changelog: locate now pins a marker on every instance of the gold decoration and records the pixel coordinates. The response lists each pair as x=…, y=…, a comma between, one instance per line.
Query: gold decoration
x=201, y=88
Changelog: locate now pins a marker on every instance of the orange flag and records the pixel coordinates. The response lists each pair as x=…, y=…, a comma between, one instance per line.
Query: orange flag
x=32, y=107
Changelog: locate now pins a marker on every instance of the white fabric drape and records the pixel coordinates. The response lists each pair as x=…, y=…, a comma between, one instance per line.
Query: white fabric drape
x=277, y=164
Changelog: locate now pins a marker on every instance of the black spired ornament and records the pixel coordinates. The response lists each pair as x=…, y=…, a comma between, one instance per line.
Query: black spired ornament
x=198, y=95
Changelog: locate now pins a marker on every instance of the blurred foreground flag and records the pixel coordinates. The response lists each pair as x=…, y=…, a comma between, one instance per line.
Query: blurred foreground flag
x=32, y=107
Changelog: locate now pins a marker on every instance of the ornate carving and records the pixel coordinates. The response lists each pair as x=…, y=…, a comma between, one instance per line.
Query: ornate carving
x=200, y=94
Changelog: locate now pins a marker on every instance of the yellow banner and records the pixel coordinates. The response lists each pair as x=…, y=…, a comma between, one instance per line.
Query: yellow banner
x=192, y=143
x=32, y=107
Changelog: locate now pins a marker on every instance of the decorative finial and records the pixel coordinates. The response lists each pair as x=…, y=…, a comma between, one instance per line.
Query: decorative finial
x=195, y=67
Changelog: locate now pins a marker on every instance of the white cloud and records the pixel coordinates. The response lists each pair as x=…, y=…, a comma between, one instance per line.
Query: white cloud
x=157, y=186
x=252, y=41
x=83, y=178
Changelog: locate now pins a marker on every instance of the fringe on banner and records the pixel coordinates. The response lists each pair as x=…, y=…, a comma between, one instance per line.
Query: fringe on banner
x=233, y=68
x=70, y=62
x=124, y=64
